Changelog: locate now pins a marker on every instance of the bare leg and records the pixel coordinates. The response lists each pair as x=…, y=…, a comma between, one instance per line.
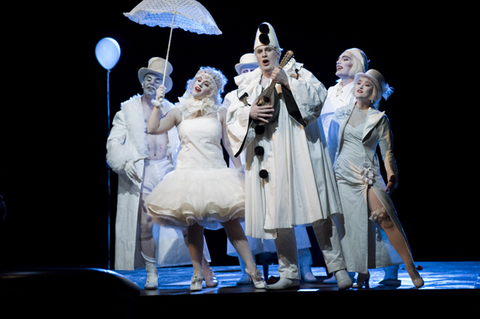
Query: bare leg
x=394, y=235
x=238, y=239
x=195, y=247
x=147, y=244
x=208, y=274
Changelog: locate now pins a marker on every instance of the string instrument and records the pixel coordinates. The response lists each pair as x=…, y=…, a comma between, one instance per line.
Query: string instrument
x=266, y=96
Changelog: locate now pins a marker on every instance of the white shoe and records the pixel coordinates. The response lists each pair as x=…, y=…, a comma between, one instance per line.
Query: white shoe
x=196, y=283
x=258, y=280
x=284, y=283
x=152, y=276
x=333, y=280
x=343, y=279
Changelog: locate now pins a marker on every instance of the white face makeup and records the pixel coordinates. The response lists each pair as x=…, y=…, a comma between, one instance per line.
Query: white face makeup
x=202, y=87
x=267, y=58
x=150, y=84
x=363, y=88
x=344, y=65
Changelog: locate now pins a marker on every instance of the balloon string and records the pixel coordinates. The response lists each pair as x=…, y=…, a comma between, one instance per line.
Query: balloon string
x=108, y=101
x=108, y=174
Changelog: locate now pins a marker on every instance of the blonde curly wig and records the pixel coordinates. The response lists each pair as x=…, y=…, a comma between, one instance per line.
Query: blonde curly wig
x=219, y=81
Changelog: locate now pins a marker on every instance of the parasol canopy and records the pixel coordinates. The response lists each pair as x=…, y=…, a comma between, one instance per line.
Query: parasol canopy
x=189, y=15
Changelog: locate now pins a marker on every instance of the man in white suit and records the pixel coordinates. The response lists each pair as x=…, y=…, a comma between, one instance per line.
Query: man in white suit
x=140, y=160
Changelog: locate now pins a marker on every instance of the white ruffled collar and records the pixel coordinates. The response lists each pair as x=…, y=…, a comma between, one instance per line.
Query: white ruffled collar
x=250, y=79
x=192, y=107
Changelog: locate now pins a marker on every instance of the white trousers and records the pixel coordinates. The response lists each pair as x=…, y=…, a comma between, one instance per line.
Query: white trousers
x=155, y=170
x=328, y=241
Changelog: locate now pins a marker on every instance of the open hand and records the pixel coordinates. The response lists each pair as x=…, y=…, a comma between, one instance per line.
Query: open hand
x=131, y=172
x=261, y=113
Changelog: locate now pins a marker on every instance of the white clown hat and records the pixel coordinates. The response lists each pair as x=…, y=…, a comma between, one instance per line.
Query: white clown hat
x=248, y=60
x=266, y=36
x=157, y=67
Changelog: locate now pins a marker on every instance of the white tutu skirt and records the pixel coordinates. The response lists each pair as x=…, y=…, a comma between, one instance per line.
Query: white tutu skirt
x=206, y=197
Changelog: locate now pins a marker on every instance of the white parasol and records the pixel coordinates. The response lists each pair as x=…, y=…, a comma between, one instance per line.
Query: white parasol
x=189, y=15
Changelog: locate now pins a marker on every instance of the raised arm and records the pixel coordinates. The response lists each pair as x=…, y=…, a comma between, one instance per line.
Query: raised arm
x=155, y=125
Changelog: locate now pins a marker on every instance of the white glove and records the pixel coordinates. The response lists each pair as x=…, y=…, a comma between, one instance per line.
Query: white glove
x=131, y=172
x=160, y=95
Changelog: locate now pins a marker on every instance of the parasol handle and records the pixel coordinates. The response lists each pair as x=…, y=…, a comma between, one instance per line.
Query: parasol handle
x=168, y=50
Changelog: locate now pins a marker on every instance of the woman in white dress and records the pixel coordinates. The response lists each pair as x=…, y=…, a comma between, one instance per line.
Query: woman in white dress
x=202, y=191
x=374, y=237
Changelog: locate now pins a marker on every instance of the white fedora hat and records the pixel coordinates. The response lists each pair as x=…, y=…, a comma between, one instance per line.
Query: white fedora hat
x=157, y=66
x=248, y=60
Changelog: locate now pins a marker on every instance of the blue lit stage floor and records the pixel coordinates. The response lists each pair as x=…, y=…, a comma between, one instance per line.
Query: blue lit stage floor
x=437, y=275
x=450, y=288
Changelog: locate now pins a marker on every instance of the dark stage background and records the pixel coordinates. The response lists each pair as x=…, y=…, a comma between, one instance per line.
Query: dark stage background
x=53, y=174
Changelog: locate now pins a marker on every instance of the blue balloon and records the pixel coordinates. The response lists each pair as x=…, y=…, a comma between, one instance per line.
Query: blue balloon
x=107, y=52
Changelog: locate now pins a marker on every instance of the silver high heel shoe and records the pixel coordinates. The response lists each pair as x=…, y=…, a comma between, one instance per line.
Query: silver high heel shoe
x=416, y=278
x=196, y=283
x=209, y=277
x=362, y=280
x=257, y=279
